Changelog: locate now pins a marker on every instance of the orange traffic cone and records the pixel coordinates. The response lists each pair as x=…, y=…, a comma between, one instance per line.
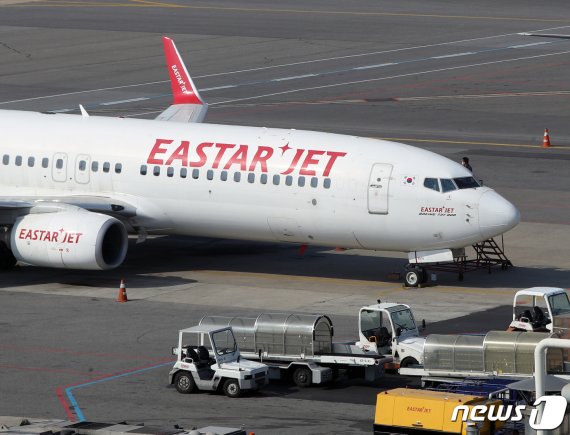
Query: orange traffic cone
x=122, y=293
x=546, y=141
x=302, y=249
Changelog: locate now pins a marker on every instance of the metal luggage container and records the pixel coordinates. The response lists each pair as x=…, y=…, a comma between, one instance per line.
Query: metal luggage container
x=298, y=335
x=498, y=352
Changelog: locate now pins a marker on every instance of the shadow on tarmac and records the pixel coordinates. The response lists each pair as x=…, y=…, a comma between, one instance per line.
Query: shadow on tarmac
x=156, y=262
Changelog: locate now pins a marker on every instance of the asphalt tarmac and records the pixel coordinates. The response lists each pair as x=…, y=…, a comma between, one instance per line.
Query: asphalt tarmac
x=453, y=78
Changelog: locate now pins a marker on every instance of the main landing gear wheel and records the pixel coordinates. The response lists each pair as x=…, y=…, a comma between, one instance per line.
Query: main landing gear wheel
x=7, y=259
x=415, y=276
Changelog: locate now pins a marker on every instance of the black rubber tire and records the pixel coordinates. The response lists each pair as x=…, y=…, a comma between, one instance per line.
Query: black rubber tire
x=412, y=278
x=231, y=388
x=409, y=361
x=184, y=382
x=7, y=259
x=302, y=377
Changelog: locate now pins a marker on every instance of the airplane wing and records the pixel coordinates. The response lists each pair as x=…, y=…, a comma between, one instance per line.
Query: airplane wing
x=187, y=105
x=13, y=207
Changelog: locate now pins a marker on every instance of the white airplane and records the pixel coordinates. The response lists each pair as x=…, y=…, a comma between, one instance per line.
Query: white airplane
x=73, y=186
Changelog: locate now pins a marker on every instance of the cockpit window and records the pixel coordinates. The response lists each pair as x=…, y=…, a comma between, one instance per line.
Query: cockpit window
x=447, y=185
x=431, y=183
x=466, y=182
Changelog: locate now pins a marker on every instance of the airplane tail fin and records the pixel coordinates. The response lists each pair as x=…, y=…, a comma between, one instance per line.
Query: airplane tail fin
x=187, y=104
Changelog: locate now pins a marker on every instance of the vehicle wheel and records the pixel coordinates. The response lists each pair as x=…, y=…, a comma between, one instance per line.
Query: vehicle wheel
x=232, y=388
x=425, y=276
x=7, y=259
x=412, y=278
x=407, y=362
x=184, y=382
x=302, y=377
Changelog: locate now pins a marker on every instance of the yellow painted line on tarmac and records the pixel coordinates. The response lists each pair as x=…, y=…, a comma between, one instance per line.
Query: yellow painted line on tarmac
x=143, y=3
x=462, y=142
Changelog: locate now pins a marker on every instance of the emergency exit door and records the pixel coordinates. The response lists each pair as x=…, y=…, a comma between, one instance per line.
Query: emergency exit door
x=59, y=167
x=378, y=185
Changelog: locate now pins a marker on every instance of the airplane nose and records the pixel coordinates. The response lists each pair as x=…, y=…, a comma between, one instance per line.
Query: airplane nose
x=496, y=214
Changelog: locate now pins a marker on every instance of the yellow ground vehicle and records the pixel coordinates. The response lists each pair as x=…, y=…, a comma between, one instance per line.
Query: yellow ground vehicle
x=408, y=411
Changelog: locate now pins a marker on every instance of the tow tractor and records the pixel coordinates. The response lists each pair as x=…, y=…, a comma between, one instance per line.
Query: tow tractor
x=301, y=345
x=535, y=308
x=195, y=368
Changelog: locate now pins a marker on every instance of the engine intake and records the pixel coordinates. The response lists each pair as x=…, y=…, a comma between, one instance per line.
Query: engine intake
x=76, y=239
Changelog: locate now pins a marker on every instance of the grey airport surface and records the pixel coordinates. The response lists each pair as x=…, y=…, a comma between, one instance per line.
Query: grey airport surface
x=452, y=77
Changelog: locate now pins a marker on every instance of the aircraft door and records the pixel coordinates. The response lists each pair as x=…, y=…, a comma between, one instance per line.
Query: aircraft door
x=378, y=185
x=82, y=168
x=59, y=167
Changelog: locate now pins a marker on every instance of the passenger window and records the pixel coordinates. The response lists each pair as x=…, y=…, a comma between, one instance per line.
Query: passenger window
x=237, y=176
x=289, y=180
x=82, y=165
x=447, y=185
x=6, y=159
x=95, y=166
x=314, y=182
x=106, y=166
x=251, y=177
x=183, y=172
x=195, y=174
x=118, y=168
x=58, y=163
x=156, y=171
x=31, y=162
x=327, y=183
x=432, y=183
x=301, y=181
x=276, y=180
x=210, y=174
x=170, y=171
x=263, y=178
x=45, y=162
x=18, y=160
x=224, y=176
x=143, y=169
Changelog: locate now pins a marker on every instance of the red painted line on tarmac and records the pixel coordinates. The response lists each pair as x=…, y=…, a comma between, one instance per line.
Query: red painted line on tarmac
x=61, y=397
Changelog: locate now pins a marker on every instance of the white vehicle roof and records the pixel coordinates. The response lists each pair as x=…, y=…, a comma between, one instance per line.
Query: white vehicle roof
x=203, y=329
x=385, y=306
x=539, y=291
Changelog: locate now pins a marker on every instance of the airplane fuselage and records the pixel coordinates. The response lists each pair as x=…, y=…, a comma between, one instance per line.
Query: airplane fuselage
x=251, y=183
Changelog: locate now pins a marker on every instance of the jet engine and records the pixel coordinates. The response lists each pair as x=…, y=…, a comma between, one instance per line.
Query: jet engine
x=76, y=239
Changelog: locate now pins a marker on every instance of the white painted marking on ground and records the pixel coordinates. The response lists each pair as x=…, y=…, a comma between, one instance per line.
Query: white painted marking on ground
x=130, y=100
x=217, y=87
x=380, y=65
x=466, y=53
x=282, y=79
x=530, y=45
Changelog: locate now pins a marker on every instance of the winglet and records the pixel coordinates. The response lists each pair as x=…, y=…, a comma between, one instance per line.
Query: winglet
x=183, y=89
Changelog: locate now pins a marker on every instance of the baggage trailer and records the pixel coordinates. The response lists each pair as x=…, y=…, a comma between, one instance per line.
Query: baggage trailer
x=300, y=345
x=498, y=354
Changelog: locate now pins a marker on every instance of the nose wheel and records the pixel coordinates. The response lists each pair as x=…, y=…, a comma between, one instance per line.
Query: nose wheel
x=414, y=276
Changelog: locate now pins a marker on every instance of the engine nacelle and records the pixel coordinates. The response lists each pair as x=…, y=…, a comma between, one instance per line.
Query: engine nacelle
x=75, y=239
